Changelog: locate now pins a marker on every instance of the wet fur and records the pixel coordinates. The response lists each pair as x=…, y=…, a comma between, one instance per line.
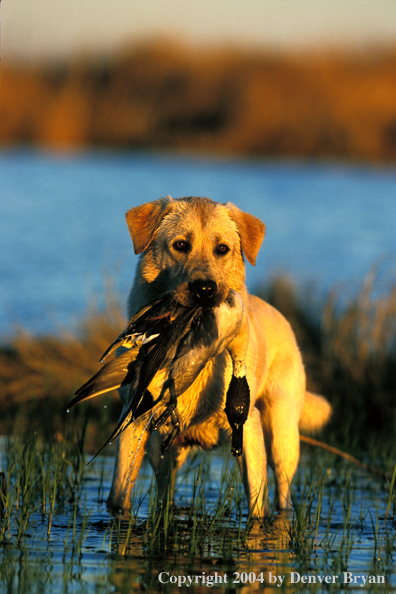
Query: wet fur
x=280, y=403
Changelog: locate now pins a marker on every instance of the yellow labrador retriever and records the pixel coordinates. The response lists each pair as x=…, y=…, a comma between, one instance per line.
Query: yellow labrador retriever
x=196, y=248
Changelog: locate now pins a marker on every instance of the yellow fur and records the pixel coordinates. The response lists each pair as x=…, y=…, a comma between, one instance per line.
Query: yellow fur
x=274, y=370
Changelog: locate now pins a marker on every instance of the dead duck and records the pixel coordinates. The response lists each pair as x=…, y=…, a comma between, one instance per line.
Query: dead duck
x=147, y=345
x=166, y=346
x=144, y=347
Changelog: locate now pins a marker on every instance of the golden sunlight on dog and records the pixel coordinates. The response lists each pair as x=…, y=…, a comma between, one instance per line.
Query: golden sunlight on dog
x=195, y=250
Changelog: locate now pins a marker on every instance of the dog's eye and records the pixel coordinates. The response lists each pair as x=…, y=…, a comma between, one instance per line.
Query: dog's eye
x=222, y=248
x=181, y=246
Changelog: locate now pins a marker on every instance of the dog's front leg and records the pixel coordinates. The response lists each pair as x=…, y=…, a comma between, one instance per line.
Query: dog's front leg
x=165, y=465
x=131, y=448
x=253, y=465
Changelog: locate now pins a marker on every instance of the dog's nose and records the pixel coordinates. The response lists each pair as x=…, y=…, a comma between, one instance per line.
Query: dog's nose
x=204, y=290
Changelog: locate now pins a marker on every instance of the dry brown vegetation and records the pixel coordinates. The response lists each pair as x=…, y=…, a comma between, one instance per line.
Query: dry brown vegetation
x=163, y=95
x=349, y=350
x=39, y=374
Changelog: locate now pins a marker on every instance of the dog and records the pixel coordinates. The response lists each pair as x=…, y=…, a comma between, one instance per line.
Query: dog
x=196, y=248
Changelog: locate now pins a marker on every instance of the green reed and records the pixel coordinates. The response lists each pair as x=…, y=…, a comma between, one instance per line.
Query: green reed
x=39, y=476
x=318, y=534
x=198, y=527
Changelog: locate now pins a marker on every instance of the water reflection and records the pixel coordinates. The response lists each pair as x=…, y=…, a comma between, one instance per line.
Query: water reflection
x=349, y=531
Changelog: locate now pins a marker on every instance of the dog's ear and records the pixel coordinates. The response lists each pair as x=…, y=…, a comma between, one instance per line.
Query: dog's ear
x=144, y=220
x=251, y=231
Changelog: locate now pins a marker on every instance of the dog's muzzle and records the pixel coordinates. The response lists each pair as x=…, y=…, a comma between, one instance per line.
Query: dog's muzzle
x=204, y=292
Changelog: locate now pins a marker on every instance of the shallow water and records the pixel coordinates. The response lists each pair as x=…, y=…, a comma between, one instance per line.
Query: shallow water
x=354, y=536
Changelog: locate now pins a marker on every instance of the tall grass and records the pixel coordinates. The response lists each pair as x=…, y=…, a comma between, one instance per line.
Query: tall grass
x=360, y=352
x=44, y=478
x=40, y=475
x=348, y=341
x=164, y=94
x=39, y=375
x=47, y=498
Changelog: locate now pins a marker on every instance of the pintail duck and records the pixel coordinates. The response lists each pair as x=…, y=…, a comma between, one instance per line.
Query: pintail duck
x=169, y=342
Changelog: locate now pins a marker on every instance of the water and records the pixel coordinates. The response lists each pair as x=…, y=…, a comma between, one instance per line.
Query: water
x=62, y=230
x=62, y=227
x=345, y=539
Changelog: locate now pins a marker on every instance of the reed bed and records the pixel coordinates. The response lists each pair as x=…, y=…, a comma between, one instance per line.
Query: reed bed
x=53, y=504
x=348, y=341
x=163, y=94
x=39, y=374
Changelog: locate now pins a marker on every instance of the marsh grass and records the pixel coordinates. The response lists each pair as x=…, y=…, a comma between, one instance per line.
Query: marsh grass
x=45, y=477
x=35, y=368
x=51, y=497
x=339, y=513
x=348, y=342
x=40, y=476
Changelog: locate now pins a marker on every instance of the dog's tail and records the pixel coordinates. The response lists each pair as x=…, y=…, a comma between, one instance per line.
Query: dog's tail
x=315, y=413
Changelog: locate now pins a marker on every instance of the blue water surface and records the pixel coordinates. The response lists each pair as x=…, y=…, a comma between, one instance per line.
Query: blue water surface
x=63, y=231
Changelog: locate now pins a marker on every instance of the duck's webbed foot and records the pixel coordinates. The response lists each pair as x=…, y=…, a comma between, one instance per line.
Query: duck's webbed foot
x=170, y=407
x=237, y=410
x=173, y=433
x=170, y=411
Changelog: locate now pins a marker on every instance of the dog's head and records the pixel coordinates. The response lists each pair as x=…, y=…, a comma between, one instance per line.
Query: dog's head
x=194, y=247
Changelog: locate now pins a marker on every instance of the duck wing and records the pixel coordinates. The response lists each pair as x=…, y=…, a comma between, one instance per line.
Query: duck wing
x=145, y=325
x=142, y=400
x=138, y=337
x=114, y=374
x=159, y=356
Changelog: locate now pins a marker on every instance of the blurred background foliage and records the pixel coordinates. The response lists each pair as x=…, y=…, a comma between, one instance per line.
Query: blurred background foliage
x=250, y=102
